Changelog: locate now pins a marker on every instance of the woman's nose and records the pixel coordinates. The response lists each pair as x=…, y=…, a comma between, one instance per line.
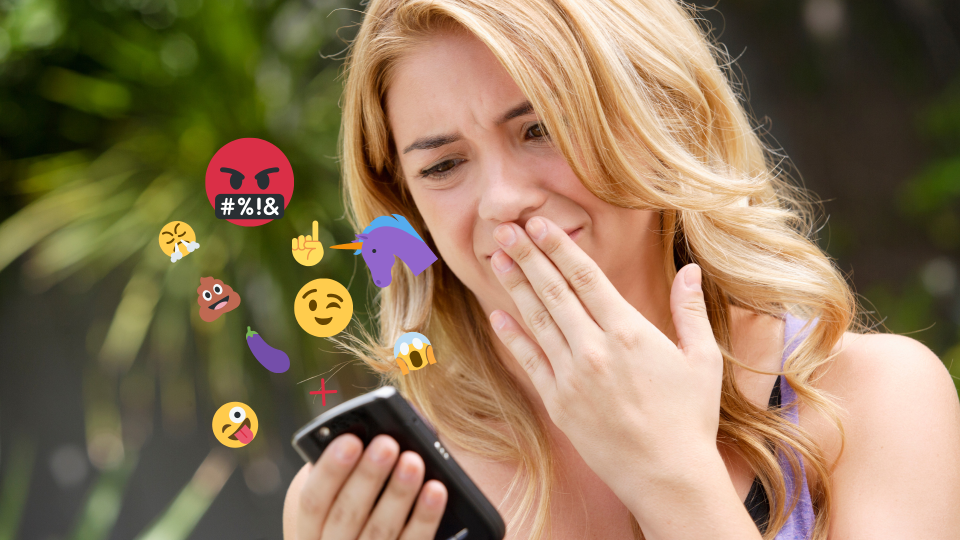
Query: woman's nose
x=509, y=192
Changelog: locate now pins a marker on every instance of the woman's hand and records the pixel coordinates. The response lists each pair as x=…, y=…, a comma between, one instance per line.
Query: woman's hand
x=333, y=499
x=639, y=409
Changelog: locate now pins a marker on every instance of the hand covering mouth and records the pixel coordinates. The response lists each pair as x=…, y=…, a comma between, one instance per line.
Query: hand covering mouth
x=220, y=303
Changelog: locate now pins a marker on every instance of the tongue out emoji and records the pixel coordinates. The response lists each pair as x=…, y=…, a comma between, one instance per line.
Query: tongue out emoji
x=235, y=424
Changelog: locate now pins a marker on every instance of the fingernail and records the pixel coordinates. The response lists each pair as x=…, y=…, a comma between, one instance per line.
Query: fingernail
x=501, y=261
x=691, y=278
x=345, y=451
x=433, y=497
x=537, y=228
x=381, y=453
x=406, y=471
x=505, y=235
x=498, y=320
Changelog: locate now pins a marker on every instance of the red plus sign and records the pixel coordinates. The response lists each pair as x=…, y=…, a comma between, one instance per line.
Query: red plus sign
x=323, y=391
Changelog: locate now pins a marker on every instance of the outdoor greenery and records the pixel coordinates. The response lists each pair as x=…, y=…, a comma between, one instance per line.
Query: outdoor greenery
x=109, y=113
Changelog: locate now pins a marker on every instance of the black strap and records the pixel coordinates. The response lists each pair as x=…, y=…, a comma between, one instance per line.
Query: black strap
x=757, y=504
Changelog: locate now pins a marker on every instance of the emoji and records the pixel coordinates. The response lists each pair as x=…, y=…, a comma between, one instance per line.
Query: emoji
x=235, y=424
x=385, y=237
x=413, y=351
x=308, y=250
x=178, y=240
x=249, y=182
x=215, y=298
x=323, y=391
x=274, y=360
x=323, y=307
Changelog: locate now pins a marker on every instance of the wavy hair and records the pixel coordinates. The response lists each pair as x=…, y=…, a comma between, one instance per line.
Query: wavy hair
x=631, y=90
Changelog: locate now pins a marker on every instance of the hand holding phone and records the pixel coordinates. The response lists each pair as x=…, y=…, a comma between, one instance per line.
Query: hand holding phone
x=338, y=496
x=384, y=422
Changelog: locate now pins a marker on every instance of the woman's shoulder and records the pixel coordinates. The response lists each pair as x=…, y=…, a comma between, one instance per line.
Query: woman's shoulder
x=898, y=407
x=878, y=370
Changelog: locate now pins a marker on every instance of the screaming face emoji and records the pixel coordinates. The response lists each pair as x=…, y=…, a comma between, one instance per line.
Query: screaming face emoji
x=235, y=424
x=215, y=298
x=323, y=307
x=178, y=240
x=413, y=351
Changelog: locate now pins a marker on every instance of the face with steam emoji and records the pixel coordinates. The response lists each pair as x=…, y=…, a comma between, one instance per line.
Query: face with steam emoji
x=235, y=424
x=178, y=240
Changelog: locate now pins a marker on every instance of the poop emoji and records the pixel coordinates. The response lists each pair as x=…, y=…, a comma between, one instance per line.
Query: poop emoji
x=178, y=240
x=215, y=298
x=413, y=351
x=235, y=424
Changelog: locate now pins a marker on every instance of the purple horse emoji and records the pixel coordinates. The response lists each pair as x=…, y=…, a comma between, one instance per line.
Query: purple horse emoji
x=385, y=237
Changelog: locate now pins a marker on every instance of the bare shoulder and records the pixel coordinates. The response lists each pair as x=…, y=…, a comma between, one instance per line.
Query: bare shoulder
x=899, y=470
x=881, y=356
x=876, y=375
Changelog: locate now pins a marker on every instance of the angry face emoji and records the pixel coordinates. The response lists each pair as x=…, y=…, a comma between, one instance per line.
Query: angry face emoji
x=215, y=298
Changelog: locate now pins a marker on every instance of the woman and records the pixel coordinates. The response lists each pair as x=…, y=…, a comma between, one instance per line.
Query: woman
x=624, y=274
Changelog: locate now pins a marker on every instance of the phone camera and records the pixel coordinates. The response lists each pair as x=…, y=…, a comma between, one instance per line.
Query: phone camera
x=324, y=431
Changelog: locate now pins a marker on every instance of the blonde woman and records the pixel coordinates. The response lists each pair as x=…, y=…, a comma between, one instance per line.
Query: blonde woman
x=635, y=335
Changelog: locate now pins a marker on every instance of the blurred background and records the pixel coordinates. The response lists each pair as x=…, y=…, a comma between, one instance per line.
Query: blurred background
x=109, y=113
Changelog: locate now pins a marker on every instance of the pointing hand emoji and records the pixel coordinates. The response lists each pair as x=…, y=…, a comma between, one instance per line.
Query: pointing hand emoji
x=308, y=250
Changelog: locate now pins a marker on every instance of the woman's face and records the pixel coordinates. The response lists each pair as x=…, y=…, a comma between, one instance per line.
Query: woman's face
x=473, y=155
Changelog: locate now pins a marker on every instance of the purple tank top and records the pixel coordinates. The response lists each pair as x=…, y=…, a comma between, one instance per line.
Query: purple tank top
x=799, y=525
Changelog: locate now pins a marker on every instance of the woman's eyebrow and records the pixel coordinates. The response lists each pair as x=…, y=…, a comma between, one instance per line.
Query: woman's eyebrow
x=436, y=141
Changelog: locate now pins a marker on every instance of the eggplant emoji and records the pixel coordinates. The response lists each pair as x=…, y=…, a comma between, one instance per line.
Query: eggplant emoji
x=275, y=360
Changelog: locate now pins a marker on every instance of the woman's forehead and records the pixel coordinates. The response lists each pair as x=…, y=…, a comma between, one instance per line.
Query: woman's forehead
x=444, y=82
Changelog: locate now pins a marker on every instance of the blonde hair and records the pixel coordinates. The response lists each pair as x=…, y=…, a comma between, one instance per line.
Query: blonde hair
x=629, y=90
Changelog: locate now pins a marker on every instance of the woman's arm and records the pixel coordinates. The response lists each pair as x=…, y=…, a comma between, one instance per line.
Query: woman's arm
x=899, y=473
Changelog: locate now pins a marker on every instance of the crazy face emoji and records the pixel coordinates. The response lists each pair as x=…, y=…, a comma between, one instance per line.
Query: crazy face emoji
x=178, y=240
x=253, y=170
x=323, y=307
x=413, y=351
x=215, y=298
x=235, y=424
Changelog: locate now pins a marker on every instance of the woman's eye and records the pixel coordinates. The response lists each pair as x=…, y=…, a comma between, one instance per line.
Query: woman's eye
x=441, y=169
x=537, y=131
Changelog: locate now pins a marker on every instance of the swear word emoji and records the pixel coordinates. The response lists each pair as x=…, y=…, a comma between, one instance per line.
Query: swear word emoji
x=249, y=182
x=308, y=250
x=178, y=240
x=235, y=424
x=215, y=298
x=323, y=307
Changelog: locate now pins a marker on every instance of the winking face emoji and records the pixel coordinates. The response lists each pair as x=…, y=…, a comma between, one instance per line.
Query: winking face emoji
x=413, y=351
x=235, y=424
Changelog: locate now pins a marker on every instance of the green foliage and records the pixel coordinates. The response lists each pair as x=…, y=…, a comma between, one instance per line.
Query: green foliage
x=109, y=113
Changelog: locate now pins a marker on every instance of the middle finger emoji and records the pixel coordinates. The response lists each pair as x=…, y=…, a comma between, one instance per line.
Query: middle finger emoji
x=308, y=250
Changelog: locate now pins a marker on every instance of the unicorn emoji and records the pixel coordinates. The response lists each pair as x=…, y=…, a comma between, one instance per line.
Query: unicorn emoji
x=385, y=237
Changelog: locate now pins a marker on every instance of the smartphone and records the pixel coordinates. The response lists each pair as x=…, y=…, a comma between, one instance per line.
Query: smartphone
x=468, y=515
